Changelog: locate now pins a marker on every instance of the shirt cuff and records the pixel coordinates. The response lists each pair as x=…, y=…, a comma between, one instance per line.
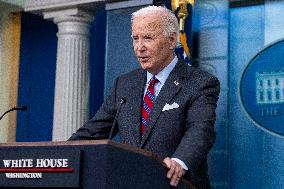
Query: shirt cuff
x=182, y=164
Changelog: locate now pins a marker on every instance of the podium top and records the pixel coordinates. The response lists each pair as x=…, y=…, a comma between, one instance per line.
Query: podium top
x=82, y=143
x=57, y=143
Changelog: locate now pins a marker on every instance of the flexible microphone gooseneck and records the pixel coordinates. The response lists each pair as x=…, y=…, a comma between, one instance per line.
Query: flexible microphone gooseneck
x=122, y=101
x=22, y=108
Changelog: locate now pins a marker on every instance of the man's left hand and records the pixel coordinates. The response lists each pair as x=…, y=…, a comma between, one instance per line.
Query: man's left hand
x=175, y=171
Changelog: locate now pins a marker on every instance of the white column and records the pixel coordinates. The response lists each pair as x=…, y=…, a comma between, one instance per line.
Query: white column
x=72, y=75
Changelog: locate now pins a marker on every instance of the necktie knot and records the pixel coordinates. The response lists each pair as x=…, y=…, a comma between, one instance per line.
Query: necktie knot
x=153, y=81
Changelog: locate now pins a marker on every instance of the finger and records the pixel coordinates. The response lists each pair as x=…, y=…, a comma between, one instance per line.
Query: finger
x=175, y=182
x=176, y=176
x=171, y=171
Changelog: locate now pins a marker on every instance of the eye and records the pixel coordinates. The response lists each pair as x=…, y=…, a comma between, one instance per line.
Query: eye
x=148, y=38
x=135, y=39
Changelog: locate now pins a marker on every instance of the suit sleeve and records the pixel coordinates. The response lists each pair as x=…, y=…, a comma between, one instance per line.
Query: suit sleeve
x=200, y=134
x=100, y=125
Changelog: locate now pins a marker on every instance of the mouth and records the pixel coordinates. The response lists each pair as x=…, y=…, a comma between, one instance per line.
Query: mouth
x=143, y=59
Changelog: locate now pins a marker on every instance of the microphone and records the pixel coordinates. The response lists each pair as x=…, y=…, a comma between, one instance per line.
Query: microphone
x=122, y=101
x=22, y=108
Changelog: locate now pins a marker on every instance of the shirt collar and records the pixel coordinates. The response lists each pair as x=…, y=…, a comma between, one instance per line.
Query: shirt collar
x=163, y=75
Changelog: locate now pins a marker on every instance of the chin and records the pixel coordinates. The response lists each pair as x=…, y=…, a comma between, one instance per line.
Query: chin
x=145, y=66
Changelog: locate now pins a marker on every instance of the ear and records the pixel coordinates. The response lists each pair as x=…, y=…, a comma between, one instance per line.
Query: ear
x=173, y=40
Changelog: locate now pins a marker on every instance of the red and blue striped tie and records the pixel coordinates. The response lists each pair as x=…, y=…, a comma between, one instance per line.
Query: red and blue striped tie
x=148, y=103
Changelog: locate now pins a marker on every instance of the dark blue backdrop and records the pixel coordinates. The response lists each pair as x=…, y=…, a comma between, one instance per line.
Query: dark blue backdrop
x=36, y=78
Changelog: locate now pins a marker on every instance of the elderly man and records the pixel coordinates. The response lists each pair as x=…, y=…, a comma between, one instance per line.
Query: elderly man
x=166, y=106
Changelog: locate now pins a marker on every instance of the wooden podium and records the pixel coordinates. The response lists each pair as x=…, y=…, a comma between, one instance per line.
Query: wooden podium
x=89, y=164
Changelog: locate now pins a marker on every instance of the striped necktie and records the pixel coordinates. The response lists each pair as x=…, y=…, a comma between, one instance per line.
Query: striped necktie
x=148, y=103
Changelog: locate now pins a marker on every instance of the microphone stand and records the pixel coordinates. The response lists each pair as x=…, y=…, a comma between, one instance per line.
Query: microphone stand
x=122, y=101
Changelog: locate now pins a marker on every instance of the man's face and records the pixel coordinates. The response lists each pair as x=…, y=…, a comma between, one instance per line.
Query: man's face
x=152, y=47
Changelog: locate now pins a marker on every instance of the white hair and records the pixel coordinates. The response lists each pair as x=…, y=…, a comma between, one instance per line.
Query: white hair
x=168, y=19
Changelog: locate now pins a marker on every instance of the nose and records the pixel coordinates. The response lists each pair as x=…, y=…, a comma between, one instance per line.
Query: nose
x=140, y=45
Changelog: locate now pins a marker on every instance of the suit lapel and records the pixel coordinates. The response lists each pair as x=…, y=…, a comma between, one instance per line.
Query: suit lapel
x=136, y=98
x=171, y=87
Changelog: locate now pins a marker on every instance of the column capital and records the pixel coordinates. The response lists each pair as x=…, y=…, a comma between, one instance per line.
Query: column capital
x=74, y=25
x=73, y=18
x=73, y=14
